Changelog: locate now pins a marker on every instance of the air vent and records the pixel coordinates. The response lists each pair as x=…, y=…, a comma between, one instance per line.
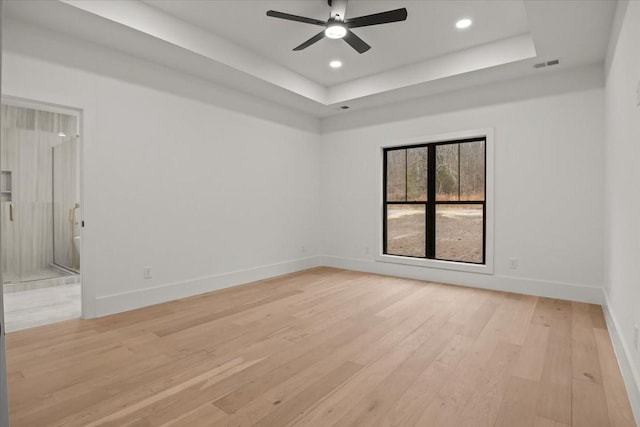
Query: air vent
x=547, y=63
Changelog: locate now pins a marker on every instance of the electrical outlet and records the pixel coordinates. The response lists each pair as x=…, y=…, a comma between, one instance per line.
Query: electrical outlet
x=303, y=249
x=513, y=263
x=147, y=272
x=635, y=337
x=366, y=250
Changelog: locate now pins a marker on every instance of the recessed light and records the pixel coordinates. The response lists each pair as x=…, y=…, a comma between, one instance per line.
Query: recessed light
x=463, y=23
x=335, y=64
x=335, y=31
x=62, y=134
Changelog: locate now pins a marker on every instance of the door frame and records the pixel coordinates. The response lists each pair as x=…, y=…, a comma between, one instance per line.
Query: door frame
x=4, y=399
x=86, y=296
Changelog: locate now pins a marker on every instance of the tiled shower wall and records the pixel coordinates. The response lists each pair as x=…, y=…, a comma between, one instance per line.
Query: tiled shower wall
x=28, y=139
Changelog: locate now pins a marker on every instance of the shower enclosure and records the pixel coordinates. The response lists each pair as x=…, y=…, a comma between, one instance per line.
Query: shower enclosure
x=39, y=193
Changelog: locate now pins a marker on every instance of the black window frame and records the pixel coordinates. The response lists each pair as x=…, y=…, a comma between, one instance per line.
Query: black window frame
x=431, y=203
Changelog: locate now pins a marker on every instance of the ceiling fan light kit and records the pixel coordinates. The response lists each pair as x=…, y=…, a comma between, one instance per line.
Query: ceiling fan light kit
x=335, y=31
x=463, y=23
x=336, y=27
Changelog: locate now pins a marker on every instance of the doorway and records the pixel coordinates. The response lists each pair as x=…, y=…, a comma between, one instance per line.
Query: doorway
x=40, y=213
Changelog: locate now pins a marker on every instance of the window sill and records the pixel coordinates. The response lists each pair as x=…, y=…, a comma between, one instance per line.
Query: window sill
x=432, y=263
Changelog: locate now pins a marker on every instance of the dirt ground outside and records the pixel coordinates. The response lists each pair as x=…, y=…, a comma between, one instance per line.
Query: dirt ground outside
x=458, y=232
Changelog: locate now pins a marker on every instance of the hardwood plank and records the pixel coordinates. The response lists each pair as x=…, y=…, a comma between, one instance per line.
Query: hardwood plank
x=233, y=401
x=196, y=321
x=543, y=313
x=532, y=356
x=203, y=416
x=203, y=380
x=409, y=407
x=381, y=358
x=474, y=393
x=618, y=405
x=518, y=407
x=490, y=387
x=554, y=402
x=588, y=399
x=521, y=318
x=377, y=403
x=589, y=405
x=477, y=319
x=597, y=316
x=554, y=398
x=545, y=422
x=584, y=361
x=324, y=347
x=295, y=408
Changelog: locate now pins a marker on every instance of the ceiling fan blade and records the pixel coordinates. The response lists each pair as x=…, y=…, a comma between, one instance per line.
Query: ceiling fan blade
x=377, y=18
x=311, y=41
x=356, y=42
x=289, y=17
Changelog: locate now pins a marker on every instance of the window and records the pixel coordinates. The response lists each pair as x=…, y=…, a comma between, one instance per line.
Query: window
x=434, y=201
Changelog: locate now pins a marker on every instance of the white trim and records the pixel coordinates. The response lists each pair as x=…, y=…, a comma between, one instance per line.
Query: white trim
x=520, y=285
x=86, y=291
x=435, y=263
x=630, y=374
x=124, y=301
x=487, y=268
x=614, y=35
x=16, y=101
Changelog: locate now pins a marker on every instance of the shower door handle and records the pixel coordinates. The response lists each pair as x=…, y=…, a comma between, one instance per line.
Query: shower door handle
x=10, y=211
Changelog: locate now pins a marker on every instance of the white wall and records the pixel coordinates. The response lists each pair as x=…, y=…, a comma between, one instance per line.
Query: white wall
x=207, y=196
x=175, y=181
x=622, y=190
x=548, y=194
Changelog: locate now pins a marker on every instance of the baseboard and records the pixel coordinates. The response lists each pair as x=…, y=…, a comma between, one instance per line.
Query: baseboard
x=116, y=303
x=559, y=290
x=630, y=374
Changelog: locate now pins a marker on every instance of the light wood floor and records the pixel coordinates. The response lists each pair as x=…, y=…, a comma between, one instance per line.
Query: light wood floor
x=324, y=348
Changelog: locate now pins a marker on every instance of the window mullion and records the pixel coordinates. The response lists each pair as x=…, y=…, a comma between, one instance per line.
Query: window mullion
x=458, y=174
x=384, y=201
x=430, y=217
x=406, y=176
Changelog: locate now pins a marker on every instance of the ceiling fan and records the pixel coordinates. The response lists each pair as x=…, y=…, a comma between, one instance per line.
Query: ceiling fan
x=337, y=27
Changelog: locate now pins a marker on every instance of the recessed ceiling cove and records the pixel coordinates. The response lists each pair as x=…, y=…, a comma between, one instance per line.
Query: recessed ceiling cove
x=235, y=43
x=428, y=33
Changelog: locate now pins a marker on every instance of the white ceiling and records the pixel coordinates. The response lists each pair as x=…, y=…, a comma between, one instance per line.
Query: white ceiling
x=428, y=32
x=235, y=44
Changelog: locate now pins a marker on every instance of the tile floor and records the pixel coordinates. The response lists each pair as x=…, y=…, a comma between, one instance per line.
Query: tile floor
x=37, y=275
x=36, y=307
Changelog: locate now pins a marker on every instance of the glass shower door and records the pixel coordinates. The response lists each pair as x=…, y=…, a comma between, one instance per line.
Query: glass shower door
x=66, y=206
